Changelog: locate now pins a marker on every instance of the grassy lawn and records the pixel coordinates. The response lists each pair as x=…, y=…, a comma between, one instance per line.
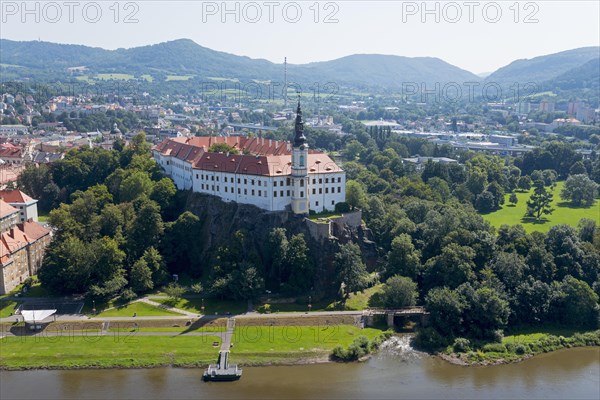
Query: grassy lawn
x=179, y=77
x=139, y=308
x=174, y=329
x=360, y=300
x=7, y=307
x=272, y=344
x=147, y=78
x=121, y=77
x=116, y=350
x=324, y=215
x=211, y=306
x=563, y=213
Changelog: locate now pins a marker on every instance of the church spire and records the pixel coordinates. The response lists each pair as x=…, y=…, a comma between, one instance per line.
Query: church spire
x=299, y=138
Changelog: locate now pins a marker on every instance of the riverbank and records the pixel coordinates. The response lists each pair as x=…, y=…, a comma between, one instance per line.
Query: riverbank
x=514, y=348
x=253, y=345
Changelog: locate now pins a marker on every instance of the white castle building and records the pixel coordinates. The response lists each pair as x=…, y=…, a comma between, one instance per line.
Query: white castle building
x=272, y=175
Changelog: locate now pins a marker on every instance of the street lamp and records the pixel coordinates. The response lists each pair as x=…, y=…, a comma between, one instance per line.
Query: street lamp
x=309, y=303
x=202, y=308
x=93, y=306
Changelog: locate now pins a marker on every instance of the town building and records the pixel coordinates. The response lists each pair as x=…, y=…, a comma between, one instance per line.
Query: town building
x=269, y=174
x=26, y=205
x=22, y=246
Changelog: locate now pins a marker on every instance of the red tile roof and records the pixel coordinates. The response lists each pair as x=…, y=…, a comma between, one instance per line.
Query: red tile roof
x=266, y=158
x=6, y=209
x=14, y=196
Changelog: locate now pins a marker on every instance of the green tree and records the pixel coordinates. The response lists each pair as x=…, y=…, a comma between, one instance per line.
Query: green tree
x=451, y=268
x=174, y=291
x=399, y=291
x=445, y=307
x=513, y=199
x=355, y=194
x=403, y=258
x=525, y=183
x=223, y=148
x=540, y=202
x=350, y=268
x=140, y=277
x=580, y=190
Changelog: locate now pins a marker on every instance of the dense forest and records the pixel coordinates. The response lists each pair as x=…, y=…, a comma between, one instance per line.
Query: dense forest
x=121, y=230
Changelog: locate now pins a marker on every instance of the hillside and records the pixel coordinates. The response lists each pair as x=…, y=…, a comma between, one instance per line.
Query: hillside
x=185, y=57
x=544, y=68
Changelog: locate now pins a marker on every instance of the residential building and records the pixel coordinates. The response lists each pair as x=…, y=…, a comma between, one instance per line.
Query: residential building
x=26, y=206
x=22, y=247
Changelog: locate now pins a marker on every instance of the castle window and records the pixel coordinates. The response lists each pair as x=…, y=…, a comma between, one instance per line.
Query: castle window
x=252, y=192
x=288, y=192
x=259, y=183
x=288, y=181
x=301, y=182
x=339, y=189
x=275, y=194
x=259, y=193
x=302, y=194
x=245, y=191
x=274, y=183
x=332, y=202
x=339, y=180
x=326, y=190
x=320, y=180
x=238, y=180
x=281, y=192
x=314, y=191
x=225, y=189
x=212, y=177
x=320, y=190
x=317, y=203
x=314, y=181
x=302, y=160
x=239, y=191
x=326, y=180
x=196, y=176
x=245, y=181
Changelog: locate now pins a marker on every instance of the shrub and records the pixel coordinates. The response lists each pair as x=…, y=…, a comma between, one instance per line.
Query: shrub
x=265, y=309
x=461, y=345
x=521, y=348
x=128, y=295
x=357, y=349
x=430, y=339
x=342, y=207
x=494, y=348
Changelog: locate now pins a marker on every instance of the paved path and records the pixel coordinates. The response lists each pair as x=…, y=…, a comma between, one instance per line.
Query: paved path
x=166, y=307
x=226, y=345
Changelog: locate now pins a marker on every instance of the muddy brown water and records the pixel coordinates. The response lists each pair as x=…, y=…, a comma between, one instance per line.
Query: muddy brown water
x=396, y=372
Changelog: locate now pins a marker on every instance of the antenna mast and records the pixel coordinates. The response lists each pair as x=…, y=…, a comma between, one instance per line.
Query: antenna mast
x=285, y=88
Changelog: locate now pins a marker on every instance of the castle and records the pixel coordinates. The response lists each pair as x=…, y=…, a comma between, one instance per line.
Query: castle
x=269, y=174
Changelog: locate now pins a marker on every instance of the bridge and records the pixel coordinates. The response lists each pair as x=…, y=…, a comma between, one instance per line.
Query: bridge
x=391, y=313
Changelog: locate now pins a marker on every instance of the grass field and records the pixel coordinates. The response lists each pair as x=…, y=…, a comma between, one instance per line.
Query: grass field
x=179, y=77
x=120, y=77
x=261, y=345
x=7, y=307
x=563, y=213
x=116, y=350
x=147, y=78
x=252, y=345
x=211, y=306
x=139, y=308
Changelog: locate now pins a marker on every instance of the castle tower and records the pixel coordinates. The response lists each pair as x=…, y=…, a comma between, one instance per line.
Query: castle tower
x=299, y=167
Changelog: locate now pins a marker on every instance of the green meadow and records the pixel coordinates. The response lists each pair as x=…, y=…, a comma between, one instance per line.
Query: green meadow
x=563, y=213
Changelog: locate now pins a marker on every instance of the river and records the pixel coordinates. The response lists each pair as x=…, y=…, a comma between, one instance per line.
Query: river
x=395, y=372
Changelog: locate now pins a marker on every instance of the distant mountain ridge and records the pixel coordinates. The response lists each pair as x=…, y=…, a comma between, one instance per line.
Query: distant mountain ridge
x=36, y=59
x=543, y=68
x=185, y=57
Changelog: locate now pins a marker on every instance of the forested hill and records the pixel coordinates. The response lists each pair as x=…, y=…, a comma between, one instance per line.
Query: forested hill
x=185, y=57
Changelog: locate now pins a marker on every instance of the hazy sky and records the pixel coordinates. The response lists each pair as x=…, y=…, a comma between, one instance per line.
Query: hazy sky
x=275, y=29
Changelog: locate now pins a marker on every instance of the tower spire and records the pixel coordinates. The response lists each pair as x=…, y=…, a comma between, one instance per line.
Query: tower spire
x=299, y=138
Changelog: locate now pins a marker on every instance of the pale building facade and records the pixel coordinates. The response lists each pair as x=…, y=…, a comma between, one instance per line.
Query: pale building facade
x=272, y=175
